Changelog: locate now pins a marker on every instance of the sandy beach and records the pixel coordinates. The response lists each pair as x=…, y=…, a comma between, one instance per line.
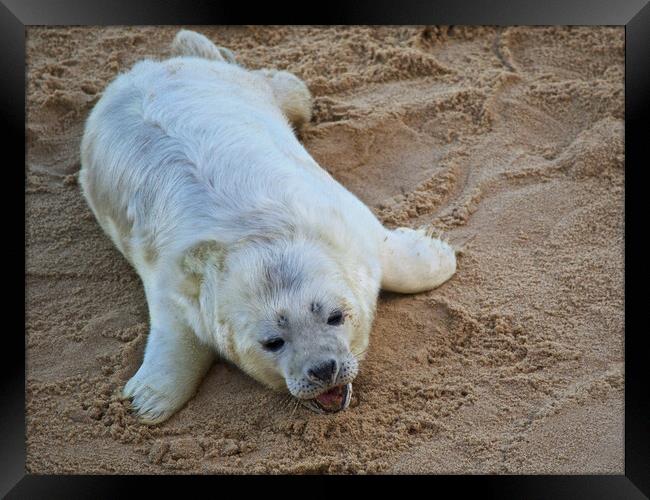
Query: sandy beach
x=508, y=140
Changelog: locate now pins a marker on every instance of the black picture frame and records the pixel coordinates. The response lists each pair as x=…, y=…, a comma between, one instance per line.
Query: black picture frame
x=16, y=15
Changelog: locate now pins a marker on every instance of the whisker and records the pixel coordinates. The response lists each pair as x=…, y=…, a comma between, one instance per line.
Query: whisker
x=357, y=355
x=295, y=408
x=283, y=402
x=287, y=401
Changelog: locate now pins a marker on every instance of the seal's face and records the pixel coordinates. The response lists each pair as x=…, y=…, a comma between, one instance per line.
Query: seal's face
x=312, y=351
x=296, y=324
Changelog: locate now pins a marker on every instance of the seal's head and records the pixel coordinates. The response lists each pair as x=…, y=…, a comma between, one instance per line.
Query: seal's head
x=297, y=320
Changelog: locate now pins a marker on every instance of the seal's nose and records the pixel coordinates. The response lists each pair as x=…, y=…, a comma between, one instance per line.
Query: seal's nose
x=324, y=371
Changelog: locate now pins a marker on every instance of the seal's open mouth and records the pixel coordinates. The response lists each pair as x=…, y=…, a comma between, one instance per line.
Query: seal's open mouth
x=335, y=399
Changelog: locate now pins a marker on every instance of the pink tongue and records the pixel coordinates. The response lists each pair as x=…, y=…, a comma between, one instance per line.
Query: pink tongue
x=332, y=397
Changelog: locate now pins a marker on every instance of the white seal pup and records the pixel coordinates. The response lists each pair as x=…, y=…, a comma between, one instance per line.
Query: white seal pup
x=245, y=246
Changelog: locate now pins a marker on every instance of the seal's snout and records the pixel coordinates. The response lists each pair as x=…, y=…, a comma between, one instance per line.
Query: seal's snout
x=326, y=384
x=324, y=371
x=335, y=399
x=332, y=400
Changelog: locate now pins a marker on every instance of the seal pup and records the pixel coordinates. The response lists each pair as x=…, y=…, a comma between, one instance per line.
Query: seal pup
x=245, y=246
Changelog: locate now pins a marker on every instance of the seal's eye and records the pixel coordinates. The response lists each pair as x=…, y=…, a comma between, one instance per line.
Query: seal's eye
x=274, y=344
x=335, y=319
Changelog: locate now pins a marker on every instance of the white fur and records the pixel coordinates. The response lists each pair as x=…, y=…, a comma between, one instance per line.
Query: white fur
x=413, y=262
x=192, y=168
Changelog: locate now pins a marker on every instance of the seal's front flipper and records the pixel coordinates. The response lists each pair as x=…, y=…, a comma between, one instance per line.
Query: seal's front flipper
x=174, y=363
x=412, y=261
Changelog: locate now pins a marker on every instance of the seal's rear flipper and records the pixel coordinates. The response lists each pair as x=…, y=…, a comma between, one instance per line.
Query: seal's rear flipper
x=191, y=43
x=292, y=95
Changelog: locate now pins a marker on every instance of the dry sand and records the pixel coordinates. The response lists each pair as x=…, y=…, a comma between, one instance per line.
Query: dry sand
x=510, y=136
